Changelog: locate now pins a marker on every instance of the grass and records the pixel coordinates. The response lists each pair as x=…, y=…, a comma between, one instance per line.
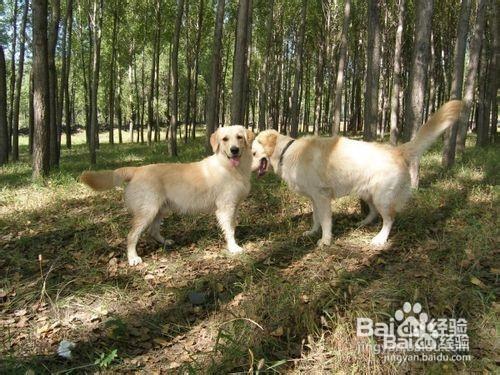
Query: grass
x=285, y=306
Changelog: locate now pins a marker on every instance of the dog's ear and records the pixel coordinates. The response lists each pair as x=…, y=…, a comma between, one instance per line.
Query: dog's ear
x=214, y=141
x=250, y=136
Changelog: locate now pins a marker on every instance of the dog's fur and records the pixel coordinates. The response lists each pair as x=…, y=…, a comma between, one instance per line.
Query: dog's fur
x=217, y=184
x=327, y=168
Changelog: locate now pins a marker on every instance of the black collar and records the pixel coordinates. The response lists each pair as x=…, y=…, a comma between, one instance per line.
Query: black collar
x=284, y=150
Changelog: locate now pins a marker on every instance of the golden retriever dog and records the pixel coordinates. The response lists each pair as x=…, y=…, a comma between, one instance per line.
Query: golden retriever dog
x=326, y=168
x=217, y=184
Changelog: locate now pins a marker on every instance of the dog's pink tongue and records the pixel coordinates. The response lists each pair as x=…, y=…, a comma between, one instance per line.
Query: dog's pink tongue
x=235, y=161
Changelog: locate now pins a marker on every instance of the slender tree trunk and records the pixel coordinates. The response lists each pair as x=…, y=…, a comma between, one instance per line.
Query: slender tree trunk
x=213, y=97
x=67, y=107
x=12, y=82
x=450, y=136
x=483, y=110
x=470, y=79
x=294, y=128
x=197, y=68
x=238, y=105
x=372, y=70
x=19, y=80
x=189, y=72
x=119, y=113
x=264, y=76
x=337, y=104
x=418, y=78
x=396, y=75
x=31, y=120
x=112, y=75
x=55, y=18
x=174, y=79
x=4, y=131
x=41, y=101
x=96, y=24
x=494, y=72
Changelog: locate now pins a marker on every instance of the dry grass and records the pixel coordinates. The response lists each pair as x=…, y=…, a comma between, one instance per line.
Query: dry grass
x=284, y=306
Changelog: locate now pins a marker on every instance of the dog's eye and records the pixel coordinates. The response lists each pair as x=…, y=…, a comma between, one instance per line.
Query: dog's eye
x=253, y=153
x=239, y=137
x=225, y=139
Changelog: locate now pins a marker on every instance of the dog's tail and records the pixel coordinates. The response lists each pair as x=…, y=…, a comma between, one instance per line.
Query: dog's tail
x=430, y=131
x=104, y=180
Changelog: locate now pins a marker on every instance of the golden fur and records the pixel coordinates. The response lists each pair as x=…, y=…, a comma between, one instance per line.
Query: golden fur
x=327, y=168
x=217, y=184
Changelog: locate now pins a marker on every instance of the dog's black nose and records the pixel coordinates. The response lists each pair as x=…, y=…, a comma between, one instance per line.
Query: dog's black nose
x=234, y=150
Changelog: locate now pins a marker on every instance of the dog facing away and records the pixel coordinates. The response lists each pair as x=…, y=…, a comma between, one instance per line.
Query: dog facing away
x=217, y=184
x=326, y=168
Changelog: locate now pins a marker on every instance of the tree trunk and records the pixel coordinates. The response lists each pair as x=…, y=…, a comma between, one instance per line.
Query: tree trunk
x=52, y=37
x=174, y=79
x=12, y=82
x=197, y=68
x=396, y=75
x=119, y=113
x=19, y=81
x=96, y=24
x=372, y=71
x=31, y=120
x=4, y=131
x=264, y=76
x=294, y=126
x=67, y=107
x=418, y=78
x=337, y=103
x=189, y=72
x=450, y=136
x=474, y=51
x=41, y=101
x=213, y=97
x=483, y=108
x=112, y=75
x=494, y=72
x=238, y=104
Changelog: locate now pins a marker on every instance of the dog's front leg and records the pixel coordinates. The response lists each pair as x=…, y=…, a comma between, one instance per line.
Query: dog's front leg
x=324, y=215
x=315, y=226
x=226, y=218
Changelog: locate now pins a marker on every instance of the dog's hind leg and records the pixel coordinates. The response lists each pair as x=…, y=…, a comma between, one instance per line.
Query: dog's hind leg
x=154, y=230
x=139, y=223
x=372, y=215
x=388, y=215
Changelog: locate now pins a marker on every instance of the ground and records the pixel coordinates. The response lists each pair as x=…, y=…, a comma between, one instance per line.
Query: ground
x=283, y=306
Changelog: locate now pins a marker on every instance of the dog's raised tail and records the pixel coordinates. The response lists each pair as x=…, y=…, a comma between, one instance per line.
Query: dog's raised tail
x=432, y=129
x=105, y=180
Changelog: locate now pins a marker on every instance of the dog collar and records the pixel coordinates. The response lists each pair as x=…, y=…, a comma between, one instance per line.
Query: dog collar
x=284, y=150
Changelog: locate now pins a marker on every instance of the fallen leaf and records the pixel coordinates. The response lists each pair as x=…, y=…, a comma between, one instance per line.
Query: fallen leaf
x=474, y=280
x=20, y=312
x=161, y=341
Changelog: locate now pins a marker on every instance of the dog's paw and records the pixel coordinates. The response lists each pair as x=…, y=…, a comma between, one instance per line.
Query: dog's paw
x=308, y=233
x=235, y=249
x=324, y=242
x=167, y=243
x=378, y=240
x=134, y=260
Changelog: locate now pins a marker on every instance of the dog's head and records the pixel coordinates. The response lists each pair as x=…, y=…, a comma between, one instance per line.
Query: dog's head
x=262, y=148
x=231, y=142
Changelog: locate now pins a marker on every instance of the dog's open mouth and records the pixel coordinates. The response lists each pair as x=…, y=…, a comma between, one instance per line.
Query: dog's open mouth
x=262, y=167
x=234, y=160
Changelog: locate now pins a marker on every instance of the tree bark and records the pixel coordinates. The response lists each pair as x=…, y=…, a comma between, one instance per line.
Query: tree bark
x=67, y=99
x=337, y=103
x=96, y=25
x=41, y=101
x=53, y=33
x=174, y=79
x=197, y=68
x=474, y=51
x=372, y=70
x=112, y=75
x=238, y=104
x=494, y=72
x=4, y=131
x=19, y=82
x=450, y=135
x=396, y=75
x=213, y=97
x=294, y=127
x=12, y=82
x=418, y=78
x=264, y=78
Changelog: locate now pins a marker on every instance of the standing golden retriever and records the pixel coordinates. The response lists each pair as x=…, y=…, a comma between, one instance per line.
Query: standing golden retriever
x=326, y=168
x=217, y=184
